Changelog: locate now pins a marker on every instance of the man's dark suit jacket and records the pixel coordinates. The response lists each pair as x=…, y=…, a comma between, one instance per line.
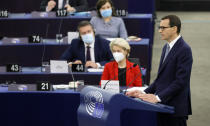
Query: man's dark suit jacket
x=79, y=5
x=76, y=51
x=172, y=84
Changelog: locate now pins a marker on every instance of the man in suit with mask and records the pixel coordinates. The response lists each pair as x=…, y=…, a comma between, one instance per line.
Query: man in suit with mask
x=172, y=85
x=70, y=5
x=88, y=49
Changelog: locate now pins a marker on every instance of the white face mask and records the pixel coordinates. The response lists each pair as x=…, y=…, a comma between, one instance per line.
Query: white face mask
x=118, y=56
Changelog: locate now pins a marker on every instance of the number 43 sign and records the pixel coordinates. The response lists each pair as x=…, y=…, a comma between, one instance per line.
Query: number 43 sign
x=13, y=68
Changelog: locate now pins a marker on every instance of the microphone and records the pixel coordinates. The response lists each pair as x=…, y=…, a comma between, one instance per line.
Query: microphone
x=72, y=76
x=46, y=35
x=59, y=36
x=132, y=81
x=134, y=65
x=59, y=31
x=60, y=25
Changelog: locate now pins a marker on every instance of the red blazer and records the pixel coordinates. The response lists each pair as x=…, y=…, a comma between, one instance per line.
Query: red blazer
x=111, y=72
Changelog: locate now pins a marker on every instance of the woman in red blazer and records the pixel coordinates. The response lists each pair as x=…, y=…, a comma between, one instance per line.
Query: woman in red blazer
x=121, y=69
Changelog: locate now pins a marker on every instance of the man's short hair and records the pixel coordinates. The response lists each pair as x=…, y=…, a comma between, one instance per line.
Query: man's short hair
x=174, y=21
x=83, y=24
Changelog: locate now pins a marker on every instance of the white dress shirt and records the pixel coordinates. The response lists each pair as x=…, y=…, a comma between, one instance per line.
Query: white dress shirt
x=172, y=43
x=92, y=52
x=60, y=4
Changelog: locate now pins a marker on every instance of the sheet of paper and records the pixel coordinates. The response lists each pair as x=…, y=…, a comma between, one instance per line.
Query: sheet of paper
x=58, y=66
x=71, y=36
x=112, y=86
x=95, y=70
x=137, y=88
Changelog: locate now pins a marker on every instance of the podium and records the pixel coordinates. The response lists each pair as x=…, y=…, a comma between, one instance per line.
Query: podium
x=99, y=107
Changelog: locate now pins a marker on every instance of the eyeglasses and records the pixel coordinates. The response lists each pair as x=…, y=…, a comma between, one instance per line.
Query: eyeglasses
x=163, y=27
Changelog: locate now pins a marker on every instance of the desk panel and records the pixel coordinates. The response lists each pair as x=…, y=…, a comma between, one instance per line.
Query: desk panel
x=31, y=54
x=39, y=108
x=52, y=108
x=136, y=24
x=62, y=78
x=27, y=6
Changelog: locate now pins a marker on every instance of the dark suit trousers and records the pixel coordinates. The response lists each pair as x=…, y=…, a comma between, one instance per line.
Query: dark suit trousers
x=167, y=120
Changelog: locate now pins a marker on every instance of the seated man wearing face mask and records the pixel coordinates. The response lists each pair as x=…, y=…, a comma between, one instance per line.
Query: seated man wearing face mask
x=121, y=69
x=91, y=50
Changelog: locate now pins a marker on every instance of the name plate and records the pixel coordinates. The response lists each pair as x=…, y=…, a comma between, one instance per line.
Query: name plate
x=57, y=66
x=40, y=86
x=44, y=86
x=78, y=68
x=4, y=14
x=36, y=14
x=35, y=39
x=21, y=87
x=13, y=68
x=71, y=36
x=61, y=13
x=22, y=40
x=112, y=86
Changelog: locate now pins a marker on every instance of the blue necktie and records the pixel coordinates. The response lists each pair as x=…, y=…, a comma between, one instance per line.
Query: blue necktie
x=167, y=51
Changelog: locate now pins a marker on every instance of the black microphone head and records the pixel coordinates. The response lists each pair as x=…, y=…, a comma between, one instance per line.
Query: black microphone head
x=134, y=65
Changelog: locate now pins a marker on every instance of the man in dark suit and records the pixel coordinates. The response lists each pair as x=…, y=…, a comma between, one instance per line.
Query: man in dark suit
x=172, y=85
x=70, y=5
x=91, y=50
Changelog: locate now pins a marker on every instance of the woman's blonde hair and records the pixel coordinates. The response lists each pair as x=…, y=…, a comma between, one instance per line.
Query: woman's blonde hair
x=122, y=43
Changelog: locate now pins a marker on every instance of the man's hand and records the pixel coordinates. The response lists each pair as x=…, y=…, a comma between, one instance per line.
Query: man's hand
x=134, y=93
x=51, y=5
x=77, y=62
x=69, y=8
x=91, y=64
x=148, y=97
